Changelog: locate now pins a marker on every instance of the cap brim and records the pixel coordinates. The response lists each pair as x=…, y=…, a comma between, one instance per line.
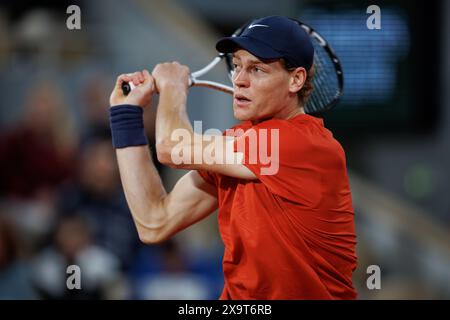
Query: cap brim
x=255, y=47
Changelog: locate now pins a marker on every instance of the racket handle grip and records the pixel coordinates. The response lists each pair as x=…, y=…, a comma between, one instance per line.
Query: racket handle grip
x=127, y=87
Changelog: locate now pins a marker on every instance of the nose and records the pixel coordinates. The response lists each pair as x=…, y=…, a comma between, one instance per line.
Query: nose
x=241, y=79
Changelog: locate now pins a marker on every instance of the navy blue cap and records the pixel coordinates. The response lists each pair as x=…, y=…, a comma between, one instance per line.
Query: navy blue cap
x=273, y=37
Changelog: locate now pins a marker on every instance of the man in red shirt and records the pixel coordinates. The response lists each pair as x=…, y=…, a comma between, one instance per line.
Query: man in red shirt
x=285, y=209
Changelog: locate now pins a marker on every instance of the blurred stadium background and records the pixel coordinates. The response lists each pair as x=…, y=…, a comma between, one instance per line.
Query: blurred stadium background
x=61, y=201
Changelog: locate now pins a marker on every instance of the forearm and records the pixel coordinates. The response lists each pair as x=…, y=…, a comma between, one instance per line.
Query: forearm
x=171, y=115
x=143, y=188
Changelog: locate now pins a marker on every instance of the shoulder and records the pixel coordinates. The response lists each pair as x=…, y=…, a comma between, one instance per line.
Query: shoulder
x=302, y=130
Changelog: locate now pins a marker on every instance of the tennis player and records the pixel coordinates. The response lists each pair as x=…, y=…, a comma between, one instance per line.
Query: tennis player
x=289, y=233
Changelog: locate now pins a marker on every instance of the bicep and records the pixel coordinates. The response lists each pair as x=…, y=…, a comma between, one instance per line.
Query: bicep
x=191, y=200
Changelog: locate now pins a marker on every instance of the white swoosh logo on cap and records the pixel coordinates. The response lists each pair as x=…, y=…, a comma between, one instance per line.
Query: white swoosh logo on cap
x=257, y=25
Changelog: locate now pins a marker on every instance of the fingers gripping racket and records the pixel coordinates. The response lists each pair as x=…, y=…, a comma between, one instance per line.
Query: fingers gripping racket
x=328, y=81
x=193, y=81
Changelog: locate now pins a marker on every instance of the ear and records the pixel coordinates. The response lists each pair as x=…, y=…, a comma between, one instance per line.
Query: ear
x=297, y=80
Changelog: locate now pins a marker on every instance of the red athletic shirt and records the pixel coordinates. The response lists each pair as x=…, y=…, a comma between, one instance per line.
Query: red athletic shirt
x=289, y=234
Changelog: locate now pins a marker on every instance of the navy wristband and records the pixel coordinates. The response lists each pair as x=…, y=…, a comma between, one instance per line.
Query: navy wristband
x=127, y=126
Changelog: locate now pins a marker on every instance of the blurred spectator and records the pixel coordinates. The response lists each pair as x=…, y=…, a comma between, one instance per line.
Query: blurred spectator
x=163, y=273
x=73, y=245
x=34, y=220
x=98, y=196
x=95, y=104
x=15, y=281
x=37, y=154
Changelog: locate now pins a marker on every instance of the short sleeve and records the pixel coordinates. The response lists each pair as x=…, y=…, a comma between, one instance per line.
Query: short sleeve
x=281, y=155
x=208, y=176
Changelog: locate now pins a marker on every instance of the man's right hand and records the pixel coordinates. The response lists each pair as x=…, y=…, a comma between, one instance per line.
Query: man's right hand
x=139, y=96
x=171, y=75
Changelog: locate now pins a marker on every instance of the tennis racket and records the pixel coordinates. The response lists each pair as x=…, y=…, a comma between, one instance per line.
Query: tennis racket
x=328, y=80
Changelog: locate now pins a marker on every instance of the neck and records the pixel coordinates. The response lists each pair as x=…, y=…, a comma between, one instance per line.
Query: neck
x=284, y=114
x=292, y=113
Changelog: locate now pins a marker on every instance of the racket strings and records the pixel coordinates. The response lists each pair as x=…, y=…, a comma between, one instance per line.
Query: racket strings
x=325, y=81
